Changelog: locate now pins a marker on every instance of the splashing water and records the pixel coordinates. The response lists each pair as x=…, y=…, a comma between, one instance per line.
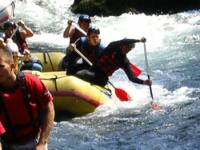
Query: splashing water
x=173, y=53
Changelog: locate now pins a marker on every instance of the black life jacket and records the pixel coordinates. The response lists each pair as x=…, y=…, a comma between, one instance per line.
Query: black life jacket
x=91, y=52
x=13, y=128
x=77, y=34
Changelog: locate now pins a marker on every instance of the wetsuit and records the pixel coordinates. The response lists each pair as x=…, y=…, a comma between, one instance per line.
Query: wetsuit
x=109, y=61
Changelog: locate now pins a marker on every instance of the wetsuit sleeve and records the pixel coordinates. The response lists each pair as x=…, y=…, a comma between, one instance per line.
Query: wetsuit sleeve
x=116, y=45
x=126, y=67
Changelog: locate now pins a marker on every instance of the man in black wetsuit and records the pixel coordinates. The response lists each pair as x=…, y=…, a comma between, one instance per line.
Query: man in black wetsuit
x=111, y=59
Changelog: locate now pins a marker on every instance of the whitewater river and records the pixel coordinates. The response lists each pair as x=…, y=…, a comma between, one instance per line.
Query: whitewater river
x=174, y=59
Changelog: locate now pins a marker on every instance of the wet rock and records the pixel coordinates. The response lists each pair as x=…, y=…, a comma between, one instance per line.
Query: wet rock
x=117, y=7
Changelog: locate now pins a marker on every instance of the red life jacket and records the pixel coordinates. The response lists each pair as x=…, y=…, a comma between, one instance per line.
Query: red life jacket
x=77, y=34
x=108, y=64
x=22, y=125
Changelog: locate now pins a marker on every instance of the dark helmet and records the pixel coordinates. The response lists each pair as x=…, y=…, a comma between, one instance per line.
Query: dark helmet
x=9, y=24
x=84, y=18
x=93, y=29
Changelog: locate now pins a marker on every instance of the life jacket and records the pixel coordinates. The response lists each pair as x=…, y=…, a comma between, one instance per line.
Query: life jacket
x=21, y=43
x=33, y=60
x=108, y=63
x=91, y=52
x=27, y=129
x=77, y=34
x=32, y=64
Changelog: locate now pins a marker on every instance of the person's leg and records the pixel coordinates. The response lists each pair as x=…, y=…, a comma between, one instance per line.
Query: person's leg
x=74, y=69
x=93, y=76
x=86, y=75
x=30, y=145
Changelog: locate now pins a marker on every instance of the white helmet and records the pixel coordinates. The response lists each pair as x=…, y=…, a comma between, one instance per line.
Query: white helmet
x=12, y=47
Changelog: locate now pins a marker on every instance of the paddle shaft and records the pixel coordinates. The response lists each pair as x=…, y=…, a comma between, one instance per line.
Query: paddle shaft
x=82, y=56
x=76, y=50
x=79, y=28
x=14, y=32
x=147, y=69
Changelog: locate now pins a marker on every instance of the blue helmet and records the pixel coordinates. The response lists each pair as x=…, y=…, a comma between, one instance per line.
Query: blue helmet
x=93, y=29
x=9, y=24
x=84, y=18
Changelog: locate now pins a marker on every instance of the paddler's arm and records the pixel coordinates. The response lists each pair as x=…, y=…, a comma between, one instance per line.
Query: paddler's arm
x=26, y=32
x=116, y=45
x=47, y=125
x=126, y=67
x=69, y=31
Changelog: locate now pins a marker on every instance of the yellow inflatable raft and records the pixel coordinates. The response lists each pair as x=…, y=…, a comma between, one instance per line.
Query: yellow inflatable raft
x=51, y=60
x=73, y=95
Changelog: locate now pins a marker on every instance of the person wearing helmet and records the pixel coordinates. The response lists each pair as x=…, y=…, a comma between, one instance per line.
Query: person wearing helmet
x=13, y=48
x=91, y=46
x=114, y=57
x=73, y=33
x=18, y=35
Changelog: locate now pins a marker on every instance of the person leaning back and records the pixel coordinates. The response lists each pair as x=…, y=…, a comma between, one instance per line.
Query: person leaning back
x=26, y=108
x=113, y=57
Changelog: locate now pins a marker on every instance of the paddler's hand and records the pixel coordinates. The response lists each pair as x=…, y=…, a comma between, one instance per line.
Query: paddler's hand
x=71, y=47
x=147, y=82
x=69, y=22
x=143, y=39
x=41, y=147
x=21, y=24
x=2, y=44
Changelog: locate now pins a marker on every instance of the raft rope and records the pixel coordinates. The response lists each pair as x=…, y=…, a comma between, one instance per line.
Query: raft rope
x=50, y=61
x=45, y=58
x=54, y=80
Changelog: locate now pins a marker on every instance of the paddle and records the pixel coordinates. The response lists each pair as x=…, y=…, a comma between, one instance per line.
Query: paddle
x=15, y=30
x=79, y=28
x=120, y=93
x=135, y=70
x=6, y=13
x=153, y=104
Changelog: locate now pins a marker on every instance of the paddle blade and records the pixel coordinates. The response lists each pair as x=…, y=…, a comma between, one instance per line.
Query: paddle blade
x=2, y=130
x=155, y=106
x=122, y=95
x=136, y=71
